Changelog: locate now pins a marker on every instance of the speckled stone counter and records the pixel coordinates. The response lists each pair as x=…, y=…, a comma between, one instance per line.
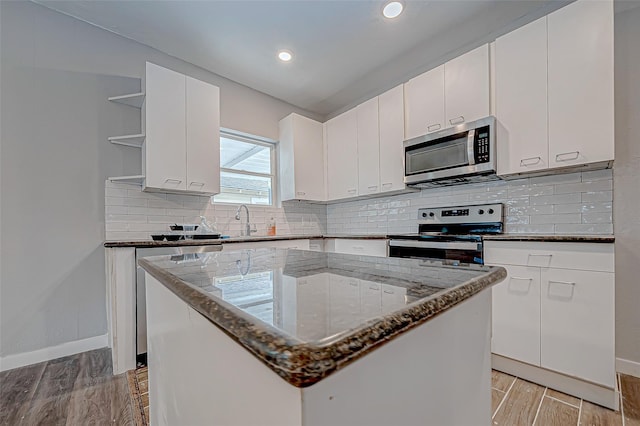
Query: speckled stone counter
x=151, y=243
x=552, y=238
x=228, y=287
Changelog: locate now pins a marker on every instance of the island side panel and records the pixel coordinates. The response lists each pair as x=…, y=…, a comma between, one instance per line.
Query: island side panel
x=436, y=374
x=198, y=375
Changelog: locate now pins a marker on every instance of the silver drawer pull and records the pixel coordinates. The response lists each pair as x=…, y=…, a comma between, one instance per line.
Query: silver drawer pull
x=384, y=185
x=522, y=278
x=540, y=255
x=563, y=282
x=300, y=193
x=196, y=184
x=389, y=291
x=373, y=287
x=176, y=181
x=351, y=191
x=530, y=161
x=372, y=187
x=574, y=156
x=433, y=127
x=457, y=120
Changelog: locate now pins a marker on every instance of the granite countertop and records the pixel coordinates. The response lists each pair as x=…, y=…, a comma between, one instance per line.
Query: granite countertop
x=151, y=243
x=292, y=308
x=552, y=238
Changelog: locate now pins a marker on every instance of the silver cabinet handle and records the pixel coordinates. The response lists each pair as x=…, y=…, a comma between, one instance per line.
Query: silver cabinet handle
x=571, y=283
x=300, y=193
x=372, y=187
x=373, y=287
x=196, y=184
x=522, y=278
x=574, y=156
x=387, y=184
x=389, y=291
x=172, y=180
x=457, y=120
x=540, y=255
x=433, y=127
x=358, y=248
x=527, y=161
x=351, y=191
x=353, y=284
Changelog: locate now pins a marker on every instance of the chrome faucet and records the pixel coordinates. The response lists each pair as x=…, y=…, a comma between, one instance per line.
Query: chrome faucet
x=247, y=227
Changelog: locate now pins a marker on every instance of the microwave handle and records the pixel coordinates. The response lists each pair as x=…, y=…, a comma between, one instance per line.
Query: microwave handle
x=470, y=148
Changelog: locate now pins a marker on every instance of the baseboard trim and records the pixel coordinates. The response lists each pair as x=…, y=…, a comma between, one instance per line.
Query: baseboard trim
x=628, y=367
x=10, y=362
x=592, y=392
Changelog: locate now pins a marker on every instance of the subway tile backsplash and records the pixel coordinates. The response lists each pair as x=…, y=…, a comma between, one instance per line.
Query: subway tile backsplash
x=131, y=214
x=576, y=203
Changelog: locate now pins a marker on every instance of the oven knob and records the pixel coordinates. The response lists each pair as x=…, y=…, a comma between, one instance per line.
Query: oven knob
x=480, y=211
x=490, y=211
x=424, y=215
x=432, y=214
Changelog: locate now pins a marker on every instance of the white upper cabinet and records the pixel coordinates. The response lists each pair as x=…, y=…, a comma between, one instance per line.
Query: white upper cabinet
x=165, y=121
x=368, y=147
x=521, y=99
x=424, y=103
x=203, y=137
x=466, y=87
x=301, y=162
x=342, y=156
x=391, y=123
x=581, y=105
x=182, y=148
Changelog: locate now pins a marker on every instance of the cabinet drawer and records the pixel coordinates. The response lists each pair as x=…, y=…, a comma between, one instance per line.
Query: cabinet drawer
x=516, y=315
x=292, y=244
x=580, y=256
x=362, y=247
x=577, y=324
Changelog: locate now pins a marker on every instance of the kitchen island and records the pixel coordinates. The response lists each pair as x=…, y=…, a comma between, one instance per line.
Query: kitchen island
x=292, y=337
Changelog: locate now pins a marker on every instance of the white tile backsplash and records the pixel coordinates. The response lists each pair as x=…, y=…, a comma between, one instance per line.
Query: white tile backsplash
x=131, y=214
x=575, y=203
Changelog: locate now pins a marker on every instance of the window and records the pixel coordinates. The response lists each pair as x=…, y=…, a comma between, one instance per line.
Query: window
x=246, y=170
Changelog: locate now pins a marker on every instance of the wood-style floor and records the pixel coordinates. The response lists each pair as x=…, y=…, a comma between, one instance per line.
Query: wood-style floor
x=74, y=390
x=80, y=390
x=515, y=401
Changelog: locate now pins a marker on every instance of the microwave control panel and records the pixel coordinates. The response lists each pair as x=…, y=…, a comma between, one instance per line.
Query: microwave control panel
x=481, y=145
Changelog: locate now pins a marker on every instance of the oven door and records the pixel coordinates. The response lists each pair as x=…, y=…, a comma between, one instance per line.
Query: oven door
x=456, y=251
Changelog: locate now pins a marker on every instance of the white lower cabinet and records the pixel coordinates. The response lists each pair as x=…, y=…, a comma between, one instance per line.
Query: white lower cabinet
x=516, y=315
x=577, y=323
x=373, y=247
x=555, y=311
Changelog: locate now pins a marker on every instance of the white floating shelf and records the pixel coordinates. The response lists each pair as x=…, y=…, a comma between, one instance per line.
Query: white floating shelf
x=134, y=99
x=133, y=180
x=135, y=141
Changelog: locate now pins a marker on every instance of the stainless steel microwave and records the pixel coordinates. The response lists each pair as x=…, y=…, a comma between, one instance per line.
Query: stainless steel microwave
x=463, y=153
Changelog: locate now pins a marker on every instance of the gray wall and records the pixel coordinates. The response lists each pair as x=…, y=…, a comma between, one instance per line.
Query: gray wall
x=626, y=183
x=56, y=75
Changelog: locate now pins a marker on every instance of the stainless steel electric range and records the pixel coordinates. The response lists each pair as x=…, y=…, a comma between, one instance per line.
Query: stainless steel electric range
x=452, y=234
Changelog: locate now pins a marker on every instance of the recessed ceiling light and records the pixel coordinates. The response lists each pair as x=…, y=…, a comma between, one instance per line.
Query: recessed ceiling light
x=285, y=55
x=392, y=9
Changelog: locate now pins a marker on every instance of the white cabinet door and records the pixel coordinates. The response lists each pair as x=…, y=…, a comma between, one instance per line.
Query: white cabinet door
x=466, y=93
x=203, y=137
x=165, y=145
x=577, y=324
x=301, y=160
x=391, y=122
x=521, y=99
x=581, y=121
x=372, y=247
x=516, y=315
x=424, y=103
x=368, y=147
x=342, y=156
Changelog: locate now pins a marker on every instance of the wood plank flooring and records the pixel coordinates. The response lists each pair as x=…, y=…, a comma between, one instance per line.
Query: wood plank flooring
x=516, y=402
x=74, y=390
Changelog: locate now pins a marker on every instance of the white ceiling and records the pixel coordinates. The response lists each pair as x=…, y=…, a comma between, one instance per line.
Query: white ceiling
x=344, y=51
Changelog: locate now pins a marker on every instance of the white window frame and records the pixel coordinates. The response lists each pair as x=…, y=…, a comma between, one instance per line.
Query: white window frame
x=255, y=140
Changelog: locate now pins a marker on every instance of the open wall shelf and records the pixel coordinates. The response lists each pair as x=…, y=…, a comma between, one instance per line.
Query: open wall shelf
x=135, y=141
x=134, y=99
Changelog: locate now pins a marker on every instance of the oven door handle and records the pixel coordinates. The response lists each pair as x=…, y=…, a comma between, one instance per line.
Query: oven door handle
x=447, y=245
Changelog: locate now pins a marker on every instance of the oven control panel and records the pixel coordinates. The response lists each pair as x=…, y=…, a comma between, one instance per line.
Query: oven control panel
x=481, y=213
